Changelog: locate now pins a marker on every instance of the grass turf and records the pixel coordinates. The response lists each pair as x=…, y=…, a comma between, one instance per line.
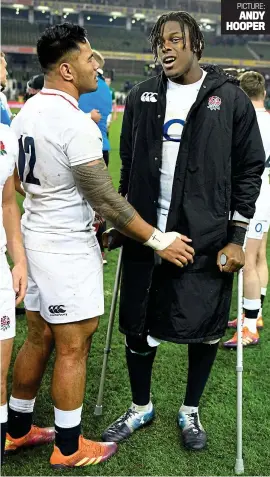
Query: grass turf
x=156, y=450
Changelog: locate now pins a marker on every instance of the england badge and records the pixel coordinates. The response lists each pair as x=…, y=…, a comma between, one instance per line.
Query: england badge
x=214, y=103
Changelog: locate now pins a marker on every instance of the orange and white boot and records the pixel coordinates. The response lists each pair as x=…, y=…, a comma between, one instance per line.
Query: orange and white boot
x=249, y=339
x=37, y=436
x=89, y=453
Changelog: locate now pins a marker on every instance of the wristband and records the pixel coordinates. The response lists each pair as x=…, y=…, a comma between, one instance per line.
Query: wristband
x=236, y=235
x=159, y=240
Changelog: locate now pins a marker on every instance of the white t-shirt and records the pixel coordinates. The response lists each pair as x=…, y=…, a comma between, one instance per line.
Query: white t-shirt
x=180, y=99
x=8, y=156
x=54, y=134
x=263, y=201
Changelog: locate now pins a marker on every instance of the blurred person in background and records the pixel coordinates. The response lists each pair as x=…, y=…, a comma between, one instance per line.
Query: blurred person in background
x=12, y=284
x=34, y=86
x=108, y=81
x=99, y=101
x=256, y=268
x=6, y=114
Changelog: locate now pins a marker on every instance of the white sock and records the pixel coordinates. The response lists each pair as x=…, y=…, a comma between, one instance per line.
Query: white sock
x=3, y=413
x=252, y=304
x=189, y=409
x=21, y=405
x=251, y=324
x=263, y=291
x=147, y=408
x=67, y=419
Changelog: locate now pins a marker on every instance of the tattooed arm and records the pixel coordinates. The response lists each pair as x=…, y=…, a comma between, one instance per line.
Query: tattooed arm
x=96, y=185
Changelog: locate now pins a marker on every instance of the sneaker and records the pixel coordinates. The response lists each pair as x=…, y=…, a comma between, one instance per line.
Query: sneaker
x=233, y=323
x=104, y=258
x=249, y=339
x=35, y=437
x=129, y=422
x=193, y=434
x=89, y=453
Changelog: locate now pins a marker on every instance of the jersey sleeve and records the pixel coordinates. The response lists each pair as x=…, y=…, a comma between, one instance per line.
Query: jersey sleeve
x=9, y=147
x=83, y=143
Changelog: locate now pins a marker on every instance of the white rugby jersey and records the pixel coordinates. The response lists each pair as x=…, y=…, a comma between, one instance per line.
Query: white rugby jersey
x=54, y=134
x=8, y=156
x=263, y=201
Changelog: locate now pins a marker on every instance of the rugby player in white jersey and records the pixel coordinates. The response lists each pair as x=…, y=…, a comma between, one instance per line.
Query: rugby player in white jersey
x=256, y=268
x=12, y=284
x=65, y=178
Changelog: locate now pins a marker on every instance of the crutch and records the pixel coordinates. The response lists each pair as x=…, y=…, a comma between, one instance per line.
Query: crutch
x=107, y=349
x=239, y=463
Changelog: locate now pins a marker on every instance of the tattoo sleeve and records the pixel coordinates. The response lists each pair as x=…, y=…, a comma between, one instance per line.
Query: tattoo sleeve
x=96, y=185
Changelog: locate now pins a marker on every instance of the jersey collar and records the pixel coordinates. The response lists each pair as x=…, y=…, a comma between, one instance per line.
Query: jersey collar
x=58, y=92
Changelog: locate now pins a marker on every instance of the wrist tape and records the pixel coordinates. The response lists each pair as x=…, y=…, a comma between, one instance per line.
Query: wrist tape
x=159, y=240
x=236, y=234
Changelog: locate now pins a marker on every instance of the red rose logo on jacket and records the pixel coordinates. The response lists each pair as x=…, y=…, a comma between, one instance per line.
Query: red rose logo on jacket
x=214, y=103
x=2, y=148
x=5, y=323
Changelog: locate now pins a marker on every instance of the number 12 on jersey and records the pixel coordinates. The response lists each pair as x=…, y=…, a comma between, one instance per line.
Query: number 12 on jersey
x=27, y=147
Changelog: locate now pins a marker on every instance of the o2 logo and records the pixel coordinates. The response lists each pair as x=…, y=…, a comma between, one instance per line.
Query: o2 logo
x=171, y=132
x=258, y=227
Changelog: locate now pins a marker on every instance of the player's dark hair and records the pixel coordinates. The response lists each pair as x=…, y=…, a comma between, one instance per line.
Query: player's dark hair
x=184, y=19
x=57, y=41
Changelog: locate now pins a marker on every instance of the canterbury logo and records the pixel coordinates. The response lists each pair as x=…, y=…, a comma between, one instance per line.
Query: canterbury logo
x=57, y=309
x=149, y=97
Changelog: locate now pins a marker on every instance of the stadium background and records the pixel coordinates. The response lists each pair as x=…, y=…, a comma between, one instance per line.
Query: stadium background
x=120, y=33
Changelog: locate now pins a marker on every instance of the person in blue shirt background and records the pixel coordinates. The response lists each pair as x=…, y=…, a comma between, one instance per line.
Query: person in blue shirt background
x=100, y=100
x=5, y=119
x=99, y=104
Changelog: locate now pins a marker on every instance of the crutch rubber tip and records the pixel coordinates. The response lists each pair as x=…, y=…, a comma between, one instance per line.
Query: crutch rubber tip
x=239, y=467
x=98, y=411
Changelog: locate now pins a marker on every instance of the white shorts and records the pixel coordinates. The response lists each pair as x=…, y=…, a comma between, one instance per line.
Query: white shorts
x=257, y=228
x=65, y=288
x=7, y=301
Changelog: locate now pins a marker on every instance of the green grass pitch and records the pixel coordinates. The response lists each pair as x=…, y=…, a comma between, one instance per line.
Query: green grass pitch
x=156, y=450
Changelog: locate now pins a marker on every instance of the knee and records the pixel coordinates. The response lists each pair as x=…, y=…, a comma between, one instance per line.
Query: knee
x=262, y=257
x=73, y=351
x=139, y=345
x=250, y=266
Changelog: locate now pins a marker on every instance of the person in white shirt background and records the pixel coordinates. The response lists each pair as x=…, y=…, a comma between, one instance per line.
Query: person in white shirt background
x=12, y=284
x=256, y=268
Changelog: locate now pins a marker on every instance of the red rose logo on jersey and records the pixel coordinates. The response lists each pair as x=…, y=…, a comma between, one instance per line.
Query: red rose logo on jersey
x=5, y=323
x=214, y=103
x=2, y=148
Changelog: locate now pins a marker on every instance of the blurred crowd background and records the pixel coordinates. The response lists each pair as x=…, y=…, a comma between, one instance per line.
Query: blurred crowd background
x=119, y=29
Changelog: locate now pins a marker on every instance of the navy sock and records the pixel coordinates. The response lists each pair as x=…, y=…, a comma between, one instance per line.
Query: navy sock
x=19, y=423
x=140, y=372
x=201, y=358
x=67, y=440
